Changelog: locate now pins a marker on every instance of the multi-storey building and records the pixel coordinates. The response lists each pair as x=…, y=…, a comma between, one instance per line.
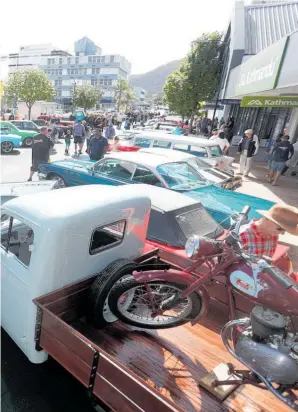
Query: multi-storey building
x=140, y=95
x=66, y=71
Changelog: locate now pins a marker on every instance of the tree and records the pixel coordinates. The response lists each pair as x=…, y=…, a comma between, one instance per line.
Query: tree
x=197, y=78
x=128, y=98
x=86, y=96
x=28, y=86
x=120, y=89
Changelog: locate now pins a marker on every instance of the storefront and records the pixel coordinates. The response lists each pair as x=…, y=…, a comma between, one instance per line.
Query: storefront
x=266, y=86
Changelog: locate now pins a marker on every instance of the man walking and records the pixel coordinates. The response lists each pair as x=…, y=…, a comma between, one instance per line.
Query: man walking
x=110, y=131
x=40, y=150
x=248, y=147
x=280, y=154
x=98, y=145
x=79, y=134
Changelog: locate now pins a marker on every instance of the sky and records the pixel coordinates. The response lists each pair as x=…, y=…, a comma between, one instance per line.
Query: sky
x=148, y=33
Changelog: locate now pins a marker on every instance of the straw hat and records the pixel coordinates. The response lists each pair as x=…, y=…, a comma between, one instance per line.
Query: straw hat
x=283, y=215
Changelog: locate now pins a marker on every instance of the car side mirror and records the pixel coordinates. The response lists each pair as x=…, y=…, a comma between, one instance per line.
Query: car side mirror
x=90, y=169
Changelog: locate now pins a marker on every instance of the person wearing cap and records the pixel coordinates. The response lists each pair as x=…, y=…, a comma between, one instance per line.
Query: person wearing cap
x=248, y=147
x=280, y=154
x=260, y=236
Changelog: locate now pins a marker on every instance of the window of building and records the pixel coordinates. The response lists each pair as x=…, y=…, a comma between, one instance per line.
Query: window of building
x=93, y=71
x=110, y=82
x=89, y=59
x=107, y=236
x=68, y=60
x=112, y=58
x=60, y=60
x=85, y=71
x=144, y=175
x=77, y=60
x=17, y=238
x=102, y=59
x=101, y=81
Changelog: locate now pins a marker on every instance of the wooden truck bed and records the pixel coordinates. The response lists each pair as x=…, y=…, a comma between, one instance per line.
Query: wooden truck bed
x=131, y=369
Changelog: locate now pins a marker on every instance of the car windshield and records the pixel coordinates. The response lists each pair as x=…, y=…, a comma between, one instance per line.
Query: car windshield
x=215, y=151
x=181, y=176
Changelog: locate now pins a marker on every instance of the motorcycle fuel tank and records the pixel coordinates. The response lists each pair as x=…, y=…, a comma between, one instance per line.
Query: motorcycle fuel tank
x=264, y=288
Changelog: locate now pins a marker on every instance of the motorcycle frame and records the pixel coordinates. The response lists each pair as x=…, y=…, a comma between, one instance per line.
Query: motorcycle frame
x=188, y=277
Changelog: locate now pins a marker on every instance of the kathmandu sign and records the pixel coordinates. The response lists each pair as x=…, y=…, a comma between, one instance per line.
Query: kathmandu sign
x=261, y=71
x=269, y=101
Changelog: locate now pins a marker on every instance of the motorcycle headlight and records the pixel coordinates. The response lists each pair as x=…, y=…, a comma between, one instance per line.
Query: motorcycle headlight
x=192, y=246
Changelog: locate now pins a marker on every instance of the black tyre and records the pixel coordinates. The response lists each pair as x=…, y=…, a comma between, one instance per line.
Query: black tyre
x=59, y=179
x=6, y=147
x=98, y=311
x=28, y=142
x=117, y=296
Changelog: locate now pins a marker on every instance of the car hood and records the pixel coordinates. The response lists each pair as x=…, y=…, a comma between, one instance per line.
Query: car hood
x=229, y=202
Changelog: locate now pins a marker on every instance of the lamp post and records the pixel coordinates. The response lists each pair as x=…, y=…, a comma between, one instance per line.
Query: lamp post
x=73, y=96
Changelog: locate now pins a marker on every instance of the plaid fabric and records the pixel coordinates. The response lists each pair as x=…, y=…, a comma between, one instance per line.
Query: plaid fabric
x=257, y=243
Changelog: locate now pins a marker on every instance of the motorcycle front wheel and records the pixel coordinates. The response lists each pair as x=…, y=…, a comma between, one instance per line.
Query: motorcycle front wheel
x=140, y=309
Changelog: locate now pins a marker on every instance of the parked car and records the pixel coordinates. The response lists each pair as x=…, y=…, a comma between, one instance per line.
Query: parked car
x=25, y=135
x=40, y=122
x=9, y=142
x=205, y=148
x=11, y=190
x=26, y=125
x=210, y=173
x=136, y=167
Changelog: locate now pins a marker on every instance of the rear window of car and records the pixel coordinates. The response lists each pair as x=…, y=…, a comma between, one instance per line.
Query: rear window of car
x=181, y=147
x=198, y=151
x=108, y=236
x=215, y=151
x=142, y=142
x=161, y=143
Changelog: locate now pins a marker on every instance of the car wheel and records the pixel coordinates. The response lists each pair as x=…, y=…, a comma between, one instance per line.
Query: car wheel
x=28, y=142
x=60, y=182
x=6, y=147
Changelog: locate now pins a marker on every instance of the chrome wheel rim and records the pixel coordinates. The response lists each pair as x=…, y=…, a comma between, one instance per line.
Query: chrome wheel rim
x=28, y=141
x=6, y=147
x=140, y=310
x=108, y=316
x=59, y=182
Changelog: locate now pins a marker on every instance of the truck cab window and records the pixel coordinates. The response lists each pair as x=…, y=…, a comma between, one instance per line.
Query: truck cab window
x=107, y=236
x=16, y=238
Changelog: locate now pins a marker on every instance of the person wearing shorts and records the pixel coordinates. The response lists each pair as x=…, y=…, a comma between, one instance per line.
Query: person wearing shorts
x=79, y=134
x=281, y=153
x=41, y=147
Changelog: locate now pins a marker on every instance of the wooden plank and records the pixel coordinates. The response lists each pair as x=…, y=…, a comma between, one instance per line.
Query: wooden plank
x=66, y=357
x=111, y=396
x=145, y=398
x=67, y=336
x=58, y=306
x=65, y=291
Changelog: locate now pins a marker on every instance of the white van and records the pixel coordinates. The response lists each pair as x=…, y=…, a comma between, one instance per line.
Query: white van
x=210, y=151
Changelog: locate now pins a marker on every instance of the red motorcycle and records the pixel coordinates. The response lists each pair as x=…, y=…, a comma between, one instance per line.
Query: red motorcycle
x=155, y=299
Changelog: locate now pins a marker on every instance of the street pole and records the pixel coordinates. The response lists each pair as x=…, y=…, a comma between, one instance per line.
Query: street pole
x=73, y=96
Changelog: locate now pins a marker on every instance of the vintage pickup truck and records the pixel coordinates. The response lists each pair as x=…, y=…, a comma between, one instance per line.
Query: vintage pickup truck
x=50, y=258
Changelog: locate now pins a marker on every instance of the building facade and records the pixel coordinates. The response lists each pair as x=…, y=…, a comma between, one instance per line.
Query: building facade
x=66, y=71
x=261, y=62
x=141, y=97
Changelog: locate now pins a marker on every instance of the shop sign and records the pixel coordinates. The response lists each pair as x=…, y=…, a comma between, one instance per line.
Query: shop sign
x=261, y=71
x=230, y=101
x=269, y=101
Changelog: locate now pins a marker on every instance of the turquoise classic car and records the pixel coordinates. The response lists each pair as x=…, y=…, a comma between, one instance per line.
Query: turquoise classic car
x=138, y=167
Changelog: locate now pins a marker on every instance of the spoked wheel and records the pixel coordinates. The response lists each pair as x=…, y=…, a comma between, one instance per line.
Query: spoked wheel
x=6, y=147
x=60, y=182
x=146, y=299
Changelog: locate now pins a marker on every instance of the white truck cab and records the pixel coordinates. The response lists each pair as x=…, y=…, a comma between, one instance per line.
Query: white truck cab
x=54, y=238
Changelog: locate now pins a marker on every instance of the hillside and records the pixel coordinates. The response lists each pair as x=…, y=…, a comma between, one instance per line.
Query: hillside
x=154, y=80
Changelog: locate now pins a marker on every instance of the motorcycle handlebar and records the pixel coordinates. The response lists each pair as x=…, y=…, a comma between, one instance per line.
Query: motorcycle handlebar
x=243, y=216
x=279, y=276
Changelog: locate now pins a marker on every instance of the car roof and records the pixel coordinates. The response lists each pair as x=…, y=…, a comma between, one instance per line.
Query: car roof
x=171, y=154
x=46, y=208
x=177, y=139
x=143, y=158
